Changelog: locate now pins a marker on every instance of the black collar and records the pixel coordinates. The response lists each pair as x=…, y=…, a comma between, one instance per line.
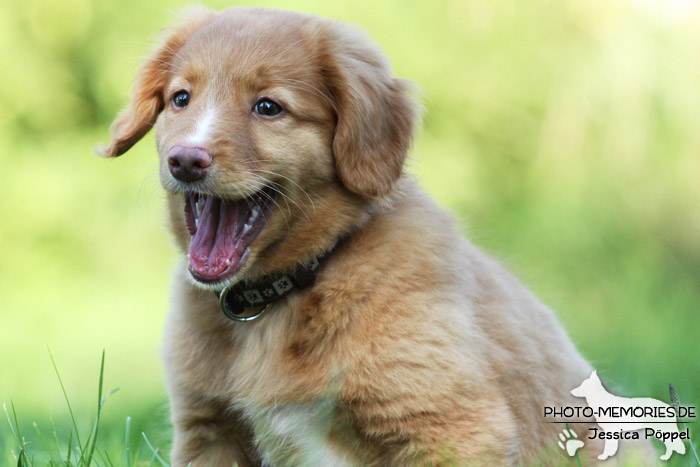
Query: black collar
x=234, y=299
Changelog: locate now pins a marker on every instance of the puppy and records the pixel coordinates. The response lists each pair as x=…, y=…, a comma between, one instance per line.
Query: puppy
x=376, y=334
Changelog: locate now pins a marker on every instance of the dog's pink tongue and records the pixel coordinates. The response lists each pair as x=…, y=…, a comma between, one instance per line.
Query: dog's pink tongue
x=213, y=249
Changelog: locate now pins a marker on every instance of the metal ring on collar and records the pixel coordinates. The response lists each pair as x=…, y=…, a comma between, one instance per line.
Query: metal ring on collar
x=233, y=316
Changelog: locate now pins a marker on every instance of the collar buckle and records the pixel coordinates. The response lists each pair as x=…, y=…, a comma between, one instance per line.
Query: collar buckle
x=236, y=315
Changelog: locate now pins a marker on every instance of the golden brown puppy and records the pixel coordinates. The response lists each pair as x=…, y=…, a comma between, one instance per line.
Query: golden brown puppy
x=282, y=138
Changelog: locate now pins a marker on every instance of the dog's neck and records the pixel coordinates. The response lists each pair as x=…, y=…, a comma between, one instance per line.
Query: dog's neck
x=290, y=273
x=244, y=295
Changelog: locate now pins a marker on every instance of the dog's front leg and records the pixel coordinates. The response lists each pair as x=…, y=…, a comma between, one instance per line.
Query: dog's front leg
x=207, y=435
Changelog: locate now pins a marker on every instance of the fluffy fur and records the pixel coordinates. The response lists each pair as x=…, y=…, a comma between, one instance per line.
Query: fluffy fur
x=413, y=347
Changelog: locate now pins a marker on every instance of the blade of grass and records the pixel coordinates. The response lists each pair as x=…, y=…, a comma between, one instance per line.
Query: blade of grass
x=155, y=451
x=106, y=459
x=46, y=445
x=65, y=395
x=55, y=435
x=676, y=403
x=20, y=440
x=91, y=443
x=12, y=430
x=22, y=459
x=127, y=441
x=92, y=440
x=70, y=448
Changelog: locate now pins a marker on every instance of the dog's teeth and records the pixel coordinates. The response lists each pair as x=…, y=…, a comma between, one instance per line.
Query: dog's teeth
x=228, y=262
x=246, y=228
x=196, y=223
x=254, y=215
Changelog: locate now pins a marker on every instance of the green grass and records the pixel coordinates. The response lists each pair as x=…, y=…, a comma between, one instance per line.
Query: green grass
x=676, y=403
x=66, y=446
x=70, y=450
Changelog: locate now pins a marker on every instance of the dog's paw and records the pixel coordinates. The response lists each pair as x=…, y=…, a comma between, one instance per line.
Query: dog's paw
x=568, y=441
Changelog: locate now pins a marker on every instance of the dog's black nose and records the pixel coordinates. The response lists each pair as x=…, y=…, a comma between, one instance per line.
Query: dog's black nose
x=189, y=164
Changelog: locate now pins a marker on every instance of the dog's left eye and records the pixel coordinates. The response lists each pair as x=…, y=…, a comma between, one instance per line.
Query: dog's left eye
x=267, y=108
x=181, y=99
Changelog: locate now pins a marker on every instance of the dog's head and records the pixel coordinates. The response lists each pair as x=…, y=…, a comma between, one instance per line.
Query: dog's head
x=275, y=130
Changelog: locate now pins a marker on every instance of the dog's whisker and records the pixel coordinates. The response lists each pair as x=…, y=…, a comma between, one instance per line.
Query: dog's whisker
x=274, y=186
x=286, y=197
x=260, y=186
x=313, y=206
x=245, y=198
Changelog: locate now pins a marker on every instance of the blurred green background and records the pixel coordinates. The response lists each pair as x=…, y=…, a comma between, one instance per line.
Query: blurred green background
x=564, y=135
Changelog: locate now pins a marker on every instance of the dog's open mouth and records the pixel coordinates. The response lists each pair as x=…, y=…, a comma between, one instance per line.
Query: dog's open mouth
x=222, y=230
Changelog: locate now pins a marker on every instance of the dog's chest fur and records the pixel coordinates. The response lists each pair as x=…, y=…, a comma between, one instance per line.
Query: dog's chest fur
x=286, y=431
x=254, y=374
x=295, y=434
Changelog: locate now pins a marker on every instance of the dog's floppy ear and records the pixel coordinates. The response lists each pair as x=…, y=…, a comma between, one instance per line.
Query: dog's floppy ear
x=375, y=114
x=147, y=99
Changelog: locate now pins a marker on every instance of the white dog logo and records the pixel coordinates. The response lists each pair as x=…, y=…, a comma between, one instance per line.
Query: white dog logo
x=607, y=408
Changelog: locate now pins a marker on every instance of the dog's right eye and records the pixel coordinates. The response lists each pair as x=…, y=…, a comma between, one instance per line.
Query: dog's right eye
x=181, y=99
x=267, y=108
